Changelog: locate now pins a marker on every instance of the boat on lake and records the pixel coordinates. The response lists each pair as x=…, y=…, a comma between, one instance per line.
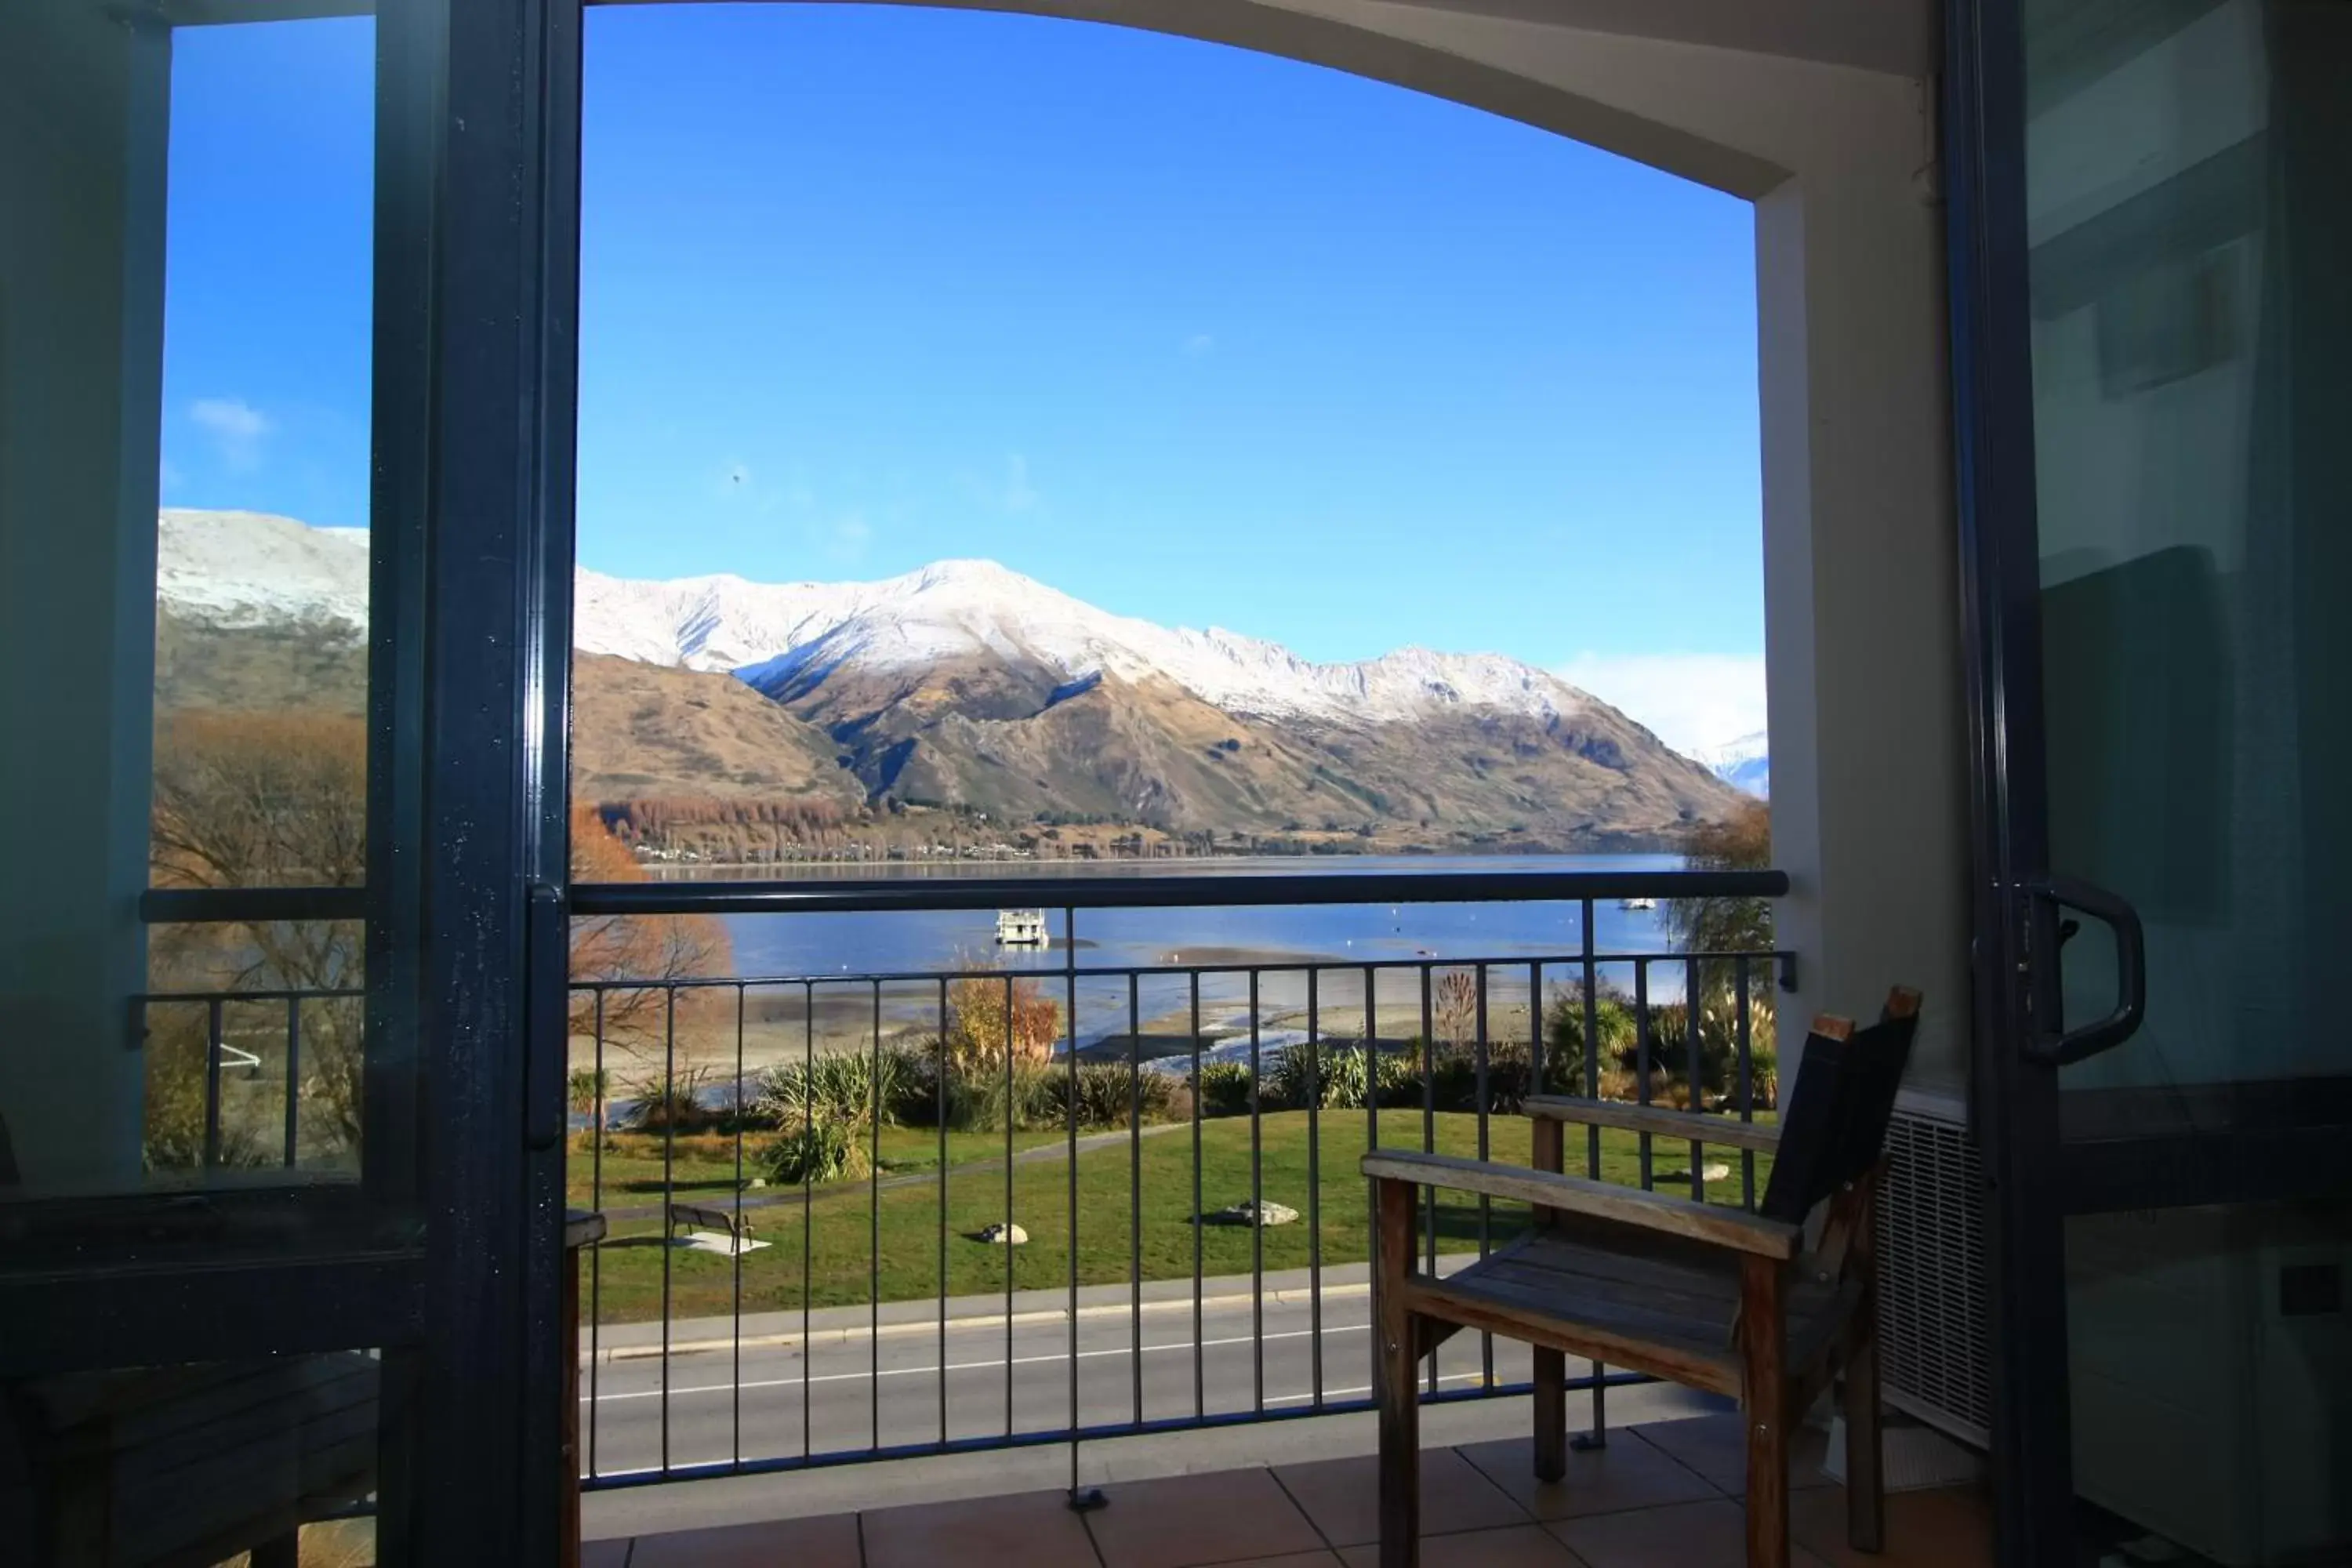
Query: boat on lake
x=1022, y=928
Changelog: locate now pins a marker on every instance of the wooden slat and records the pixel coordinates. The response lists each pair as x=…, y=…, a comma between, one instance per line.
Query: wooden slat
x=1709, y=1223
x=1764, y=1400
x=1540, y=1298
x=1716, y=1371
x=1720, y=1130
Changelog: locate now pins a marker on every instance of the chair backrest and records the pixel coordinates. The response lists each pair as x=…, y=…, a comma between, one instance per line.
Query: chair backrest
x=1835, y=1125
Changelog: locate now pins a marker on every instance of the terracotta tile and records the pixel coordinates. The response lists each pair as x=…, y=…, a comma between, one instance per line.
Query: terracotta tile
x=1027, y=1529
x=1716, y=1448
x=613, y=1553
x=1181, y=1522
x=1292, y=1559
x=1628, y=1473
x=1519, y=1546
x=1343, y=1497
x=1948, y=1528
x=1686, y=1535
x=827, y=1542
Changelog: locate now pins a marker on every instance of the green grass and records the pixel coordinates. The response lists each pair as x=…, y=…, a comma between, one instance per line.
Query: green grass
x=845, y=1220
x=703, y=1164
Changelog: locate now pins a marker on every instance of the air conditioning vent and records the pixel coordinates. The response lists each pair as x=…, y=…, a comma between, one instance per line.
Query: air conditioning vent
x=1933, y=1356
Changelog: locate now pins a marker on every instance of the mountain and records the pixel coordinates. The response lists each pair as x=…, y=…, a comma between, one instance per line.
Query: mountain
x=1745, y=764
x=967, y=684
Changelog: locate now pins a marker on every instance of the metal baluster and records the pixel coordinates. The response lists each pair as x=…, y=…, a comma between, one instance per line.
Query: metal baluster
x=1199, y=1382
x=1486, y=1151
x=293, y=1075
x=1314, y=1181
x=741, y=1229
x=1746, y=1085
x=1428, y=1134
x=1134, y=1194
x=596, y=1254
x=214, y=1040
x=1371, y=1104
x=1258, y=1217
x=1011, y=1101
x=1641, y=1055
x=1597, y=1438
x=808, y=1205
x=669, y=1189
x=940, y=1100
x=1083, y=1500
x=874, y=1235
x=1696, y=1090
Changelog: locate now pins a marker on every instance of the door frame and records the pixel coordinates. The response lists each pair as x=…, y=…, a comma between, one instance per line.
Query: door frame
x=2014, y=1105
x=474, y=375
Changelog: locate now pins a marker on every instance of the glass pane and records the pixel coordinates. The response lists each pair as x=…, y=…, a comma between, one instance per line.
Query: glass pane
x=215, y=1462
x=2187, y=199
x=183, y=592
x=261, y=568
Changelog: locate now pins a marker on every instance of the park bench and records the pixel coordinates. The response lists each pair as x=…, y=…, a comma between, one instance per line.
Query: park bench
x=734, y=1222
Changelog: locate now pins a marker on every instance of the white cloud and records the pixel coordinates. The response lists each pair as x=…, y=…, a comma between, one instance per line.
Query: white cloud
x=1020, y=494
x=1199, y=345
x=1688, y=700
x=237, y=427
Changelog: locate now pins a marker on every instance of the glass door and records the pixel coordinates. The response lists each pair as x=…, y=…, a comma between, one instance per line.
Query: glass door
x=2152, y=225
x=283, y=625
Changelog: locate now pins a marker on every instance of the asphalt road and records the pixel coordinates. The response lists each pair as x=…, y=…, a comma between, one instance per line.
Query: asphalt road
x=851, y=1395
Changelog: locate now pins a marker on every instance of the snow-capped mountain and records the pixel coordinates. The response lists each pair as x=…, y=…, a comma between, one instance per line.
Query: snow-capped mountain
x=967, y=685
x=244, y=568
x=1745, y=764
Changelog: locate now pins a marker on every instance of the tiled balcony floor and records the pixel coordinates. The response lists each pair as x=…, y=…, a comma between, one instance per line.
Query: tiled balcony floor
x=1662, y=1496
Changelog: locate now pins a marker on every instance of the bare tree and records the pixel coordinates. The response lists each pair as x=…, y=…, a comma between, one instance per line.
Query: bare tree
x=260, y=800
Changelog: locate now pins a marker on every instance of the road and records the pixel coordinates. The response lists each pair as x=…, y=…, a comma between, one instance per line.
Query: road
x=848, y=1395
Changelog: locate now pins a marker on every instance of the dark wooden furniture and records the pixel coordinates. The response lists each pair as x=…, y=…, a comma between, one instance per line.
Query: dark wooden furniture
x=1766, y=1307
x=188, y=1465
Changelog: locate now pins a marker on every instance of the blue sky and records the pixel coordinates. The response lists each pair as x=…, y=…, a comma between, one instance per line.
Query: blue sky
x=1192, y=333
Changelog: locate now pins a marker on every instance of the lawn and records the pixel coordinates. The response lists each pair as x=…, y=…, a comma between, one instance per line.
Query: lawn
x=845, y=1221
x=702, y=1164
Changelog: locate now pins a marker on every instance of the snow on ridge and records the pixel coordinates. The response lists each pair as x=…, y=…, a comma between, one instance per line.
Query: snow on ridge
x=1745, y=764
x=242, y=568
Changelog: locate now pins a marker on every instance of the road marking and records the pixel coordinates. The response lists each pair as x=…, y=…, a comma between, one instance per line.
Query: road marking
x=1351, y=1393
x=964, y=1365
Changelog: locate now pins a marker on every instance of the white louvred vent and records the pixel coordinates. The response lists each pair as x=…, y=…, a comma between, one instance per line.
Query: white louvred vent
x=1932, y=1330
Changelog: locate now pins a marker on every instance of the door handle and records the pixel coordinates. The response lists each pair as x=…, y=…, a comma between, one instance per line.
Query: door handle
x=2070, y=1046
x=547, y=1036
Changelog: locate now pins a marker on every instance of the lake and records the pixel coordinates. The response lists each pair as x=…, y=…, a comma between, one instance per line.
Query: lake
x=829, y=954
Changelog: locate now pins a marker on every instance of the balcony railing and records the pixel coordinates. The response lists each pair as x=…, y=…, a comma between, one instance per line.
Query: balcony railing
x=816, y=1322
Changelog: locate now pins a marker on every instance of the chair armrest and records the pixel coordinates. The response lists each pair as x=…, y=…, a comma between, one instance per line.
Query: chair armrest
x=1713, y=1224
x=1722, y=1131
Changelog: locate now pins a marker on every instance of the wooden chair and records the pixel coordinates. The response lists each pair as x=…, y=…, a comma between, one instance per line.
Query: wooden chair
x=1701, y=1294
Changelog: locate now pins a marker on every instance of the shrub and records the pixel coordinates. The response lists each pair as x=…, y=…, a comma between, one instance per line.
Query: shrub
x=1109, y=1092
x=1565, y=1047
x=815, y=1153
x=1340, y=1070
x=1223, y=1088
x=984, y=1012
x=173, y=1135
x=848, y=1088
x=673, y=1102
